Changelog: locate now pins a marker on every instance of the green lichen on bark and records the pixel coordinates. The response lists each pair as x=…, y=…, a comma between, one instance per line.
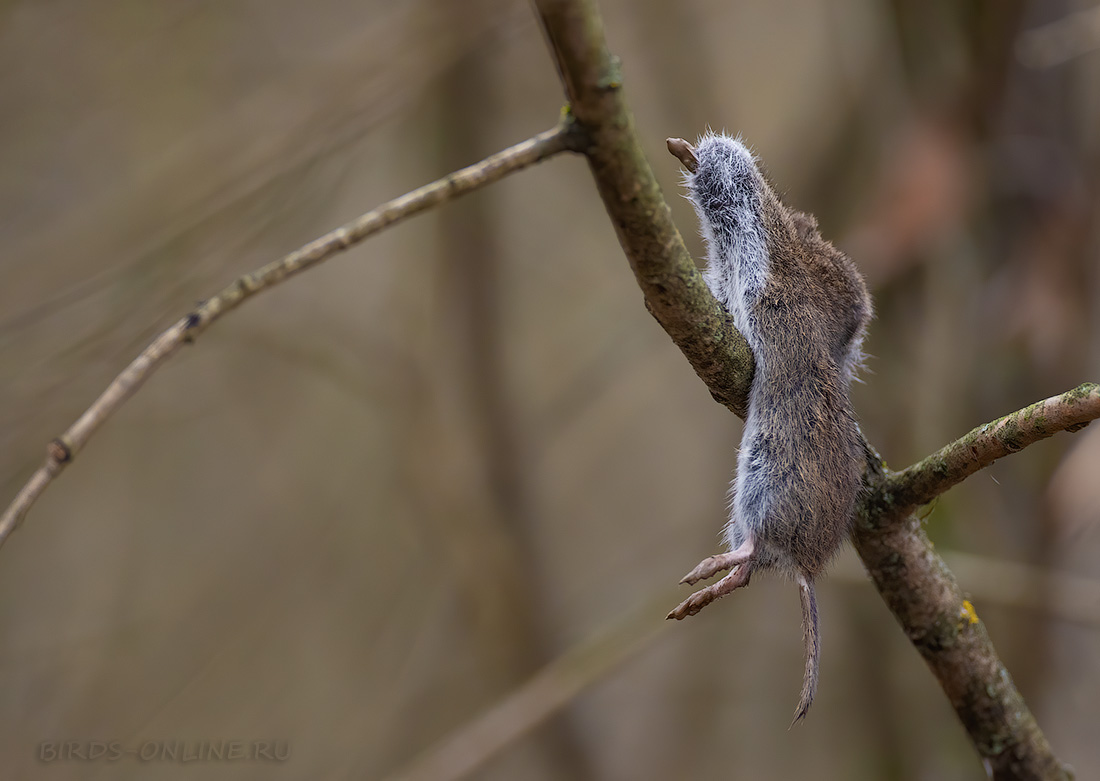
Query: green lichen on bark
x=1083, y=391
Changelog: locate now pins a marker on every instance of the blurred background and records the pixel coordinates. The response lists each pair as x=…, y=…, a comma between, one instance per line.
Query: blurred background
x=369, y=505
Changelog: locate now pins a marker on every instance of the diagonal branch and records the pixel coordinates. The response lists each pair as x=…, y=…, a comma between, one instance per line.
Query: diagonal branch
x=944, y=627
x=549, y=690
x=674, y=290
x=59, y=453
x=913, y=580
x=924, y=481
x=926, y=599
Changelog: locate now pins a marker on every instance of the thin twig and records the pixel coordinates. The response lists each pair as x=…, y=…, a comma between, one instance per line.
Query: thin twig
x=921, y=483
x=60, y=452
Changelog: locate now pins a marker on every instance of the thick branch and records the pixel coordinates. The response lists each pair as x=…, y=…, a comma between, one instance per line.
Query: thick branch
x=913, y=580
x=944, y=627
x=926, y=599
x=62, y=450
x=921, y=483
x=674, y=289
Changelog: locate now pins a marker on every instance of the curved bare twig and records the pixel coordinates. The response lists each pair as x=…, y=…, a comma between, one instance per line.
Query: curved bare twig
x=60, y=452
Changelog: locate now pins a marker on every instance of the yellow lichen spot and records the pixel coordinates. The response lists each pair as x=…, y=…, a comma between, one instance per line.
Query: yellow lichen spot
x=968, y=612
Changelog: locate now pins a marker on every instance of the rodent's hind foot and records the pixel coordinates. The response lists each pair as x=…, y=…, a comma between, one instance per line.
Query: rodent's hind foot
x=711, y=566
x=719, y=562
x=700, y=599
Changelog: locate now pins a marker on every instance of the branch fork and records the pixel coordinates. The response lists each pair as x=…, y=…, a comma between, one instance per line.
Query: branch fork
x=912, y=579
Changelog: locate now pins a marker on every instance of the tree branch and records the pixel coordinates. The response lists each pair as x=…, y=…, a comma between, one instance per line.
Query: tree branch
x=913, y=580
x=675, y=293
x=565, y=137
x=926, y=599
x=944, y=627
x=921, y=483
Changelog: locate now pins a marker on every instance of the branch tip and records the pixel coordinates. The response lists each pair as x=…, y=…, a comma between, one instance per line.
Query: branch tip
x=684, y=152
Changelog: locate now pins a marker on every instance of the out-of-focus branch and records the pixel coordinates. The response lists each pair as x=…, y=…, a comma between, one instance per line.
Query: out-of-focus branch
x=61, y=451
x=914, y=581
x=908, y=489
x=540, y=697
x=1060, y=41
x=1021, y=586
x=1008, y=584
x=674, y=289
x=472, y=745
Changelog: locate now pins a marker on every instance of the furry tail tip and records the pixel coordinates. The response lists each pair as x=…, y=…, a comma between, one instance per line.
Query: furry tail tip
x=813, y=647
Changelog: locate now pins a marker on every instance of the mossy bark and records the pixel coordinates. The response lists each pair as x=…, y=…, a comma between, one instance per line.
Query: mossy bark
x=912, y=579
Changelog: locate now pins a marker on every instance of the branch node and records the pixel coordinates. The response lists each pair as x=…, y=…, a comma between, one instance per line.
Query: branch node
x=573, y=134
x=190, y=322
x=59, y=452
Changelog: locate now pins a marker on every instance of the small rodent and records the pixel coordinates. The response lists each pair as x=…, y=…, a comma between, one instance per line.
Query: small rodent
x=803, y=307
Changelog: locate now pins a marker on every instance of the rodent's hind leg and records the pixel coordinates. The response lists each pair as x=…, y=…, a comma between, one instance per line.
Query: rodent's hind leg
x=700, y=599
x=712, y=565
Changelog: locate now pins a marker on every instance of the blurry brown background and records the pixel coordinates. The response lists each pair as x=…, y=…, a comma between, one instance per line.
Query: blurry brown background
x=365, y=507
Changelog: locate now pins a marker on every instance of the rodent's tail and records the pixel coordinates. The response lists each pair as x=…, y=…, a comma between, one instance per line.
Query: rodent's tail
x=813, y=647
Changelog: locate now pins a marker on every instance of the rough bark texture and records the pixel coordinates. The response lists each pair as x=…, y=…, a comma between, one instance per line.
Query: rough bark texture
x=913, y=580
x=675, y=293
x=943, y=625
x=924, y=481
